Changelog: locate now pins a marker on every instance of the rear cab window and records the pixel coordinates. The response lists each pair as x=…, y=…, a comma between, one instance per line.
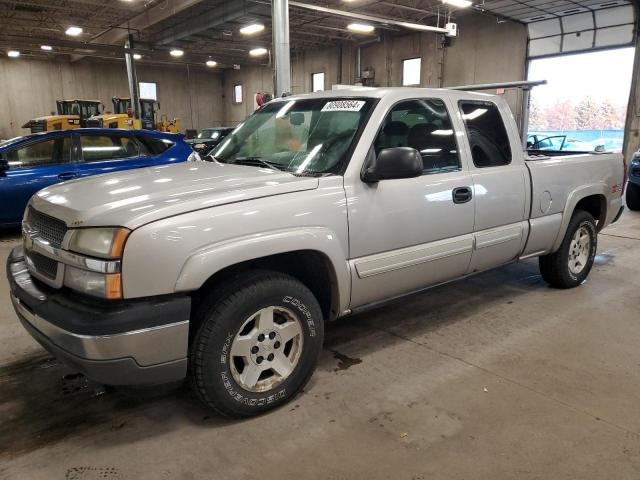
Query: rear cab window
x=486, y=132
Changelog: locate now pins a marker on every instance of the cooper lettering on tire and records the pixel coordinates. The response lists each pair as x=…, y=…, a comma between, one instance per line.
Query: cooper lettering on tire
x=257, y=345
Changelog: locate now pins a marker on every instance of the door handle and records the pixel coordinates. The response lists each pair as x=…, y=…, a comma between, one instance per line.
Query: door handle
x=462, y=195
x=66, y=175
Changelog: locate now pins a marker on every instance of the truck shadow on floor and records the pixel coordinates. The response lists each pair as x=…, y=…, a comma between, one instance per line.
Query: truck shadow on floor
x=43, y=403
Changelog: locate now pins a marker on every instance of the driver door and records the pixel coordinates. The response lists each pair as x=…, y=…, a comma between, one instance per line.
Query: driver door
x=407, y=234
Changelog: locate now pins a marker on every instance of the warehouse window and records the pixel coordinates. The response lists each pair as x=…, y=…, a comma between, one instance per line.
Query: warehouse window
x=317, y=82
x=148, y=90
x=237, y=93
x=411, y=71
x=487, y=134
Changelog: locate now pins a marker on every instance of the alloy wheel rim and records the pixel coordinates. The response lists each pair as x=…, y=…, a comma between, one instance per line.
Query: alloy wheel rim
x=266, y=349
x=579, y=251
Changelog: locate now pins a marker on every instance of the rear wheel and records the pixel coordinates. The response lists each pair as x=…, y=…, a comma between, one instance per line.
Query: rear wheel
x=633, y=196
x=257, y=345
x=571, y=264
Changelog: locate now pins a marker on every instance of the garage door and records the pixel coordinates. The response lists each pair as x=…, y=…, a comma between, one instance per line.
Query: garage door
x=582, y=28
x=569, y=26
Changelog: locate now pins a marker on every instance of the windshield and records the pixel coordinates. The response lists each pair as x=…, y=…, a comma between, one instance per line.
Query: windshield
x=209, y=133
x=299, y=136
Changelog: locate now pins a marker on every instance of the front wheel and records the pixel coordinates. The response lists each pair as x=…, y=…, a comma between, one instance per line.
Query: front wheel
x=570, y=265
x=633, y=196
x=257, y=345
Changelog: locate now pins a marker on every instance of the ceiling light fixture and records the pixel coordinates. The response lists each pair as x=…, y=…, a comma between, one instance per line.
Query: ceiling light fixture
x=137, y=56
x=176, y=52
x=458, y=3
x=73, y=31
x=258, y=52
x=361, y=27
x=46, y=48
x=13, y=53
x=251, y=29
x=211, y=63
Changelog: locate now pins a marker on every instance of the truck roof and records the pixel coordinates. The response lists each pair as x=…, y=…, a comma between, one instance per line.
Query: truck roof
x=380, y=92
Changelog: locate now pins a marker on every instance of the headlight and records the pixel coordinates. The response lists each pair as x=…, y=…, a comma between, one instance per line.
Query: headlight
x=99, y=242
x=105, y=243
x=194, y=157
x=104, y=285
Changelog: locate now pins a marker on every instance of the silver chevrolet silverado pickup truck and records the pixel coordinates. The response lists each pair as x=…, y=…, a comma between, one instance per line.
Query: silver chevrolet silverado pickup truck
x=317, y=206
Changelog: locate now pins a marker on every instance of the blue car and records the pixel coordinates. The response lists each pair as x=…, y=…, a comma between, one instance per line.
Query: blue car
x=33, y=162
x=633, y=185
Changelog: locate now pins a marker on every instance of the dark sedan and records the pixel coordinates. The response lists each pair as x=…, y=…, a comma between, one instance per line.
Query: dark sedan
x=208, y=139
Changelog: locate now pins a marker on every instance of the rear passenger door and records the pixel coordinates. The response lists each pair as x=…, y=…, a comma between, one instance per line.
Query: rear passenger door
x=499, y=185
x=32, y=167
x=104, y=153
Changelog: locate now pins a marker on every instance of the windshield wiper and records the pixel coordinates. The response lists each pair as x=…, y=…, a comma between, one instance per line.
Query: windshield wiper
x=258, y=162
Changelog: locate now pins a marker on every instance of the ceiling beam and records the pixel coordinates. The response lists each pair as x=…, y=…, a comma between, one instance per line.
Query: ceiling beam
x=368, y=18
x=216, y=17
x=147, y=18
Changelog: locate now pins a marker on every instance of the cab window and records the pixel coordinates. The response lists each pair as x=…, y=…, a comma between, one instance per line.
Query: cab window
x=487, y=134
x=423, y=124
x=96, y=148
x=47, y=152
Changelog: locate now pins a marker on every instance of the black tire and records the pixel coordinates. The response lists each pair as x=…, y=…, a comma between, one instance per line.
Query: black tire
x=555, y=267
x=223, y=314
x=633, y=196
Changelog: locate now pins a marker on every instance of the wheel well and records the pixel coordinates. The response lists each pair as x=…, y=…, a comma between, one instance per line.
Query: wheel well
x=312, y=268
x=596, y=205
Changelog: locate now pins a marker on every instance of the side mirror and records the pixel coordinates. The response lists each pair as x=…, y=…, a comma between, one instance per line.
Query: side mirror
x=393, y=163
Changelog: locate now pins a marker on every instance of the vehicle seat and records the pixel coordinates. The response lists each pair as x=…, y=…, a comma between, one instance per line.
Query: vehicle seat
x=132, y=151
x=421, y=138
x=395, y=134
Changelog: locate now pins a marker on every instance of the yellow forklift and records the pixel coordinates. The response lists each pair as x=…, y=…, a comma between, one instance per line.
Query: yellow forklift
x=122, y=117
x=71, y=114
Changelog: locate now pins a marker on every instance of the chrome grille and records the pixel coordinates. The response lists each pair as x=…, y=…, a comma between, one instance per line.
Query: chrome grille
x=44, y=265
x=50, y=229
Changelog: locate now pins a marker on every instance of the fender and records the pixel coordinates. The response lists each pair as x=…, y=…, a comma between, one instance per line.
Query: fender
x=207, y=261
x=572, y=200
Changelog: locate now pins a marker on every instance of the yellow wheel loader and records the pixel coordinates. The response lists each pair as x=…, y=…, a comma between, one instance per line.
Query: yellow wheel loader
x=123, y=117
x=71, y=114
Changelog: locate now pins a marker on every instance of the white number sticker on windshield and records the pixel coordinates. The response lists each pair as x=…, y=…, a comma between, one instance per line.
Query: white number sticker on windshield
x=343, y=106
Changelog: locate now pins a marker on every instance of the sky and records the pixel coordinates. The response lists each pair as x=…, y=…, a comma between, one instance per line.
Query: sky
x=605, y=74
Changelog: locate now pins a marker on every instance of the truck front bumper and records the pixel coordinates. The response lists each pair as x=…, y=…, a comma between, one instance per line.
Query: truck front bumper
x=130, y=342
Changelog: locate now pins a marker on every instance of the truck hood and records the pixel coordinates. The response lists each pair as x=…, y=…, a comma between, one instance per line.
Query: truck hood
x=136, y=197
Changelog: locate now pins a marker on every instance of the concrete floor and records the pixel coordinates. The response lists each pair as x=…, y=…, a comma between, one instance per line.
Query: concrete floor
x=494, y=377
